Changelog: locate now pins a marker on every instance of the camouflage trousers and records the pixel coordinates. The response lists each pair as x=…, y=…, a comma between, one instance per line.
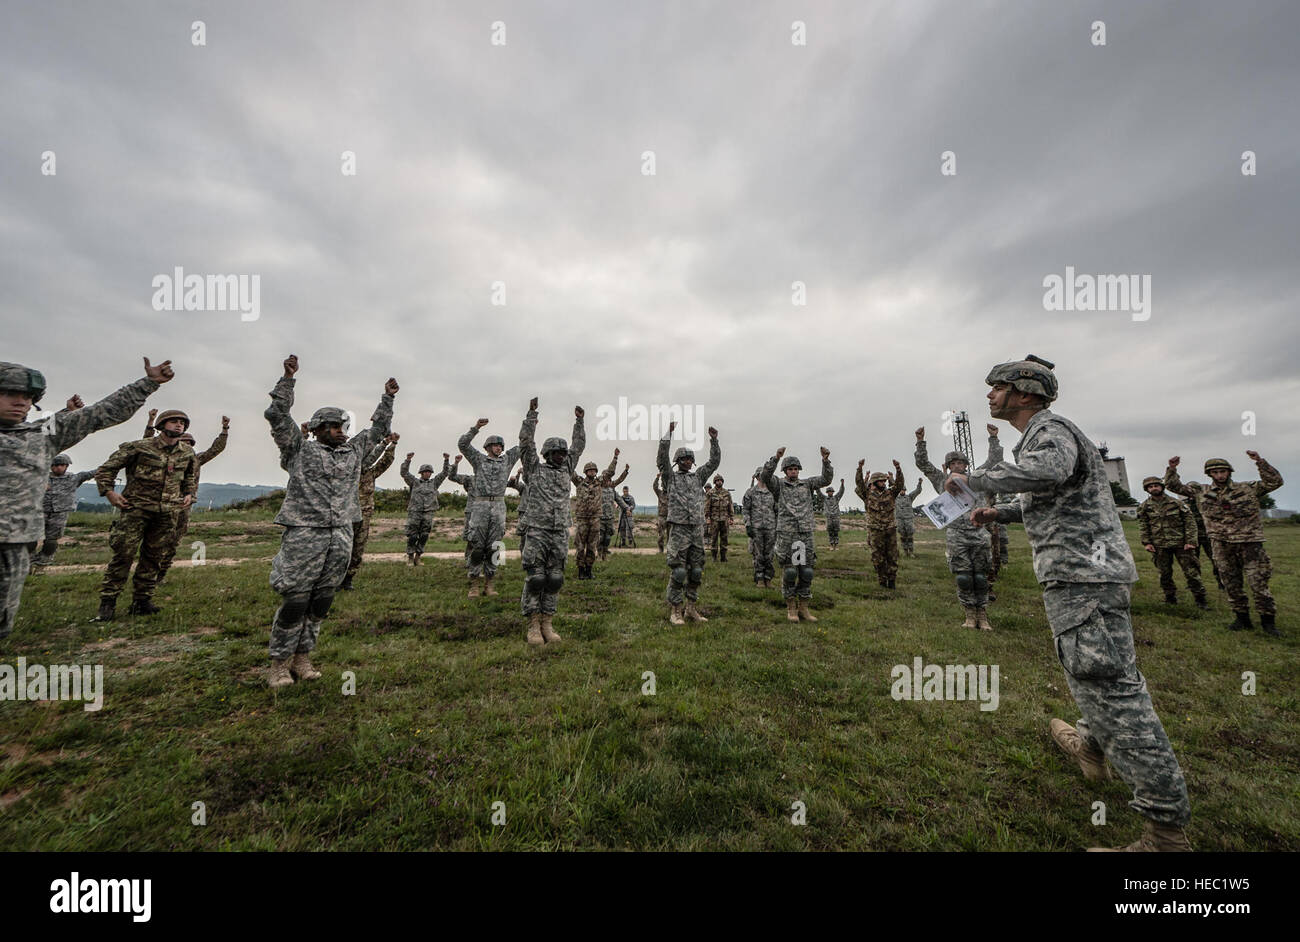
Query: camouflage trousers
x=761, y=546
x=544, y=557
x=626, y=531
x=685, y=561
x=55, y=524
x=906, y=535
x=487, y=529
x=884, y=553
x=586, y=539
x=970, y=562
x=417, y=531
x=182, y=527
x=360, y=537
x=307, y=571
x=718, y=533
x=1250, y=560
x=606, y=533
x=833, y=533
x=796, y=553
x=15, y=564
x=1094, y=643
x=149, y=533
x=661, y=531
x=1164, y=558
x=523, y=539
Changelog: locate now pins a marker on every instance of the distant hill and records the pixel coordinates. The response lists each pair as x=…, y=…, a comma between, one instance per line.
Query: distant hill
x=214, y=495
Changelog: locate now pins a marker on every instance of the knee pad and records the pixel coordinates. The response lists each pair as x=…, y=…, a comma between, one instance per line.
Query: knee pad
x=965, y=582
x=320, y=604
x=697, y=575
x=806, y=573
x=536, y=583
x=981, y=583
x=790, y=575
x=554, y=579
x=678, y=575
x=293, y=609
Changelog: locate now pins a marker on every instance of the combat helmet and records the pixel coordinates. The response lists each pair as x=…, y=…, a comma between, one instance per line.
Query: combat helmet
x=1217, y=463
x=1148, y=481
x=554, y=443
x=495, y=440
x=171, y=414
x=14, y=377
x=590, y=466
x=877, y=476
x=954, y=456
x=1032, y=375
x=61, y=458
x=326, y=415
x=425, y=467
x=682, y=454
x=790, y=461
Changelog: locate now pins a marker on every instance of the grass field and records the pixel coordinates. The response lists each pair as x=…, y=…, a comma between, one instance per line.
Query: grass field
x=452, y=712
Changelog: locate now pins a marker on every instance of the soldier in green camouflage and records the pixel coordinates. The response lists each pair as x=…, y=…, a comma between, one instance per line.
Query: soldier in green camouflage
x=831, y=511
x=487, y=519
x=1083, y=561
x=661, y=521
x=183, y=515
x=422, y=504
x=586, y=510
x=708, y=520
x=608, y=522
x=59, y=501
x=880, y=493
x=718, y=513
x=758, y=510
x=28, y=449
x=320, y=506
x=1203, y=541
x=1167, y=530
x=905, y=519
x=162, y=478
x=373, y=466
x=684, y=485
x=795, y=545
x=626, y=519
x=1231, y=512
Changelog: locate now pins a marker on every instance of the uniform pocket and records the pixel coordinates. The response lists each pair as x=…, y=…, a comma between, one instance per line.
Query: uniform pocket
x=1083, y=642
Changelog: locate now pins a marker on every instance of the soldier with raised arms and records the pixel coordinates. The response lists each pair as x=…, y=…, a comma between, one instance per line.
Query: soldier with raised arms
x=28, y=450
x=487, y=517
x=758, y=510
x=1083, y=562
x=422, y=504
x=683, y=484
x=795, y=527
x=375, y=464
x=320, y=507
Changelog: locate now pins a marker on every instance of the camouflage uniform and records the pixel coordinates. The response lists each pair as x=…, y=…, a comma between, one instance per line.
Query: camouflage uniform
x=375, y=464
x=661, y=521
x=708, y=518
x=795, y=524
x=1232, y=518
x=685, y=546
x=487, y=519
x=1084, y=564
x=587, y=508
x=321, y=504
x=183, y=515
x=59, y=501
x=758, y=510
x=608, y=521
x=548, y=517
x=882, y=523
x=831, y=510
x=905, y=519
x=421, y=505
x=626, y=520
x=466, y=481
x=521, y=524
x=158, y=479
x=1203, y=541
x=1167, y=524
x=27, y=450
x=969, y=548
x=718, y=513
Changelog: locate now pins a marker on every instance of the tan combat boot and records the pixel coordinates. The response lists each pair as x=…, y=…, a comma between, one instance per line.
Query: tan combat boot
x=1091, y=760
x=676, y=616
x=982, y=620
x=804, y=613
x=972, y=620
x=487, y=586
x=692, y=613
x=535, y=629
x=1157, y=838
x=280, y=676
x=474, y=591
x=301, y=667
x=549, y=633
x=792, y=609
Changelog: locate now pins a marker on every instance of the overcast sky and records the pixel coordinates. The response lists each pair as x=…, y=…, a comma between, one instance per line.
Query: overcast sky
x=774, y=162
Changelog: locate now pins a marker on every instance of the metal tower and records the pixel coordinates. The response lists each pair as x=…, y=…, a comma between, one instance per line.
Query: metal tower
x=961, y=436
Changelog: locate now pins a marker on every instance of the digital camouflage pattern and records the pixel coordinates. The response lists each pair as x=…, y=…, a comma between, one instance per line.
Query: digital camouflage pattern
x=421, y=504
x=905, y=519
x=487, y=516
x=969, y=548
x=546, y=551
x=685, y=543
x=758, y=510
x=375, y=464
x=795, y=525
x=60, y=500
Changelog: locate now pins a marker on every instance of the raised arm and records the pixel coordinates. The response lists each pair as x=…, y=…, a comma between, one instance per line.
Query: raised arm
x=285, y=432
x=898, y=486
x=715, y=456
x=912, y=495
x=381, y=422
x=1269, y=478
x=655, y=484
x=526, y=448
x=1175, y=484
x=68, y=428
x=446, y=470
x=465, y=443
x=661, y=459
x=618, y=480
x=839, y=495
x=859, y=481
x=769, y=466
x=578, y=441
x=828, y=473
x=922, y=456
x=995, y=448
x=217, y=447
x=387, y=452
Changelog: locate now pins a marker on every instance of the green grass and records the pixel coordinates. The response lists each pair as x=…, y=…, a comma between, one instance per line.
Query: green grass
x=453, y=712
